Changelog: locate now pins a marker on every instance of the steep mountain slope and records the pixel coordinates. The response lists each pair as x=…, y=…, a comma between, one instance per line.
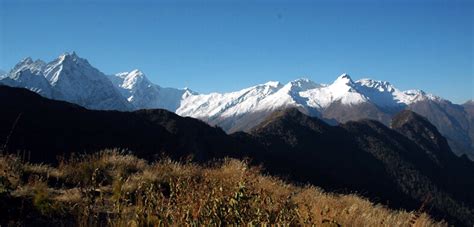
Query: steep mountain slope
x=451, y=170
x=143, y=94
x=31, y=81
x=67, y=78
x=452, y=121
x=469, y=109
x=413, y=173
x=36, y=67
x=387, y=166
x=418, y=129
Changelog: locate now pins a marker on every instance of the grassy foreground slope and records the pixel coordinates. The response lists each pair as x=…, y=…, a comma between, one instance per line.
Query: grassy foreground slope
x=113, y=188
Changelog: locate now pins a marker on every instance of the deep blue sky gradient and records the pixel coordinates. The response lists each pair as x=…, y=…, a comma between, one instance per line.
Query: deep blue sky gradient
x=228, y=45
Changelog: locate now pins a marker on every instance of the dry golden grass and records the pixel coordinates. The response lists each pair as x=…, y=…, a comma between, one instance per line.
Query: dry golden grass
x=112, y=188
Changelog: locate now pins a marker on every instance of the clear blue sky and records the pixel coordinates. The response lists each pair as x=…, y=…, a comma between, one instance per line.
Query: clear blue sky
x=228, y=45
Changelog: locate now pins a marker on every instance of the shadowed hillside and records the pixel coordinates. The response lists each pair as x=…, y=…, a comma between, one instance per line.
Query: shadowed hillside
x=48, y=128
x=403, y=167
x=370, y=158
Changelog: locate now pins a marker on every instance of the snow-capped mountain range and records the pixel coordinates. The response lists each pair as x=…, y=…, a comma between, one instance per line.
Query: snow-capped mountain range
x=143, y=94
x=299, y=93
x=73, y=79
x=67, y=78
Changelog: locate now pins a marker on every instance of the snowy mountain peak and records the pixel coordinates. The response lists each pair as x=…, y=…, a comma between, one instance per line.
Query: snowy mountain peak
x=71, y=67
x=345, y=76
x=141, y=93
x=26, y=60
x=273, y=84
x=133, y=73
x=302, y=80
x=342, y=85
x=72, y=55
x=28, y=64
x=189, y=91
x=72, y=59
x=412, y=96
x=301, y=84
x=382, y=86
x=68, y=78
x=344, y=79
x=137, y=72
x=132, y=79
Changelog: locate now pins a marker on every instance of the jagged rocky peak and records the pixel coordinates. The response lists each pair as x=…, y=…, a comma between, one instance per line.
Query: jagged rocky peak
x=73, y=59
x=382, y=86
x=67, y=55
x=189, y=92
x=136, y=73
x=293, y=88
x=273, y=83
x=345, y=76
x=130, y=80
x=304, y=84
x=344, y=79
x=27, y=63
x=133, y=73
x=343, y=83
x=27, y=60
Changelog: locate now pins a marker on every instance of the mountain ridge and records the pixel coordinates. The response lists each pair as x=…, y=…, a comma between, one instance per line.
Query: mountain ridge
x=73, y=79
x=70, y=78
x=141, y=93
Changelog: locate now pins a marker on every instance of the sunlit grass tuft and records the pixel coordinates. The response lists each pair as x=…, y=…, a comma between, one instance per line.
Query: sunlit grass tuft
x=115, y=188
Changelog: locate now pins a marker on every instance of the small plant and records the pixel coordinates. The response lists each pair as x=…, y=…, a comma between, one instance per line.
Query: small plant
x=41, y=198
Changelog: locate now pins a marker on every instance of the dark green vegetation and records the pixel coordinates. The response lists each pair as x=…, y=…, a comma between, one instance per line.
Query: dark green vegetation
x=404, y=166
